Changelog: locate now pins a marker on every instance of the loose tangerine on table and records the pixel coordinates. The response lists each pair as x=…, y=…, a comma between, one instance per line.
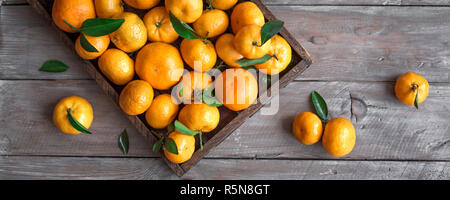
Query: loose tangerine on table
x=81, y=111
x=410, y=87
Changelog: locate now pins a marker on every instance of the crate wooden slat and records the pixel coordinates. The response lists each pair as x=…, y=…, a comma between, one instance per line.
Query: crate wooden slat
x=230, y=120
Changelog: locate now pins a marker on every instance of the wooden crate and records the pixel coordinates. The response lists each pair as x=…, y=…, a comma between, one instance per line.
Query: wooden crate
x=229, y=120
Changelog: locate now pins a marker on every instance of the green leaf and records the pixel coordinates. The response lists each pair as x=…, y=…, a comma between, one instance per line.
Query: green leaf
x=210, y=6
x=171, y=128
x=181, y=91
x=320, y=105
x=270, y=29
x=183, y=29
x=210, y=99
x=123, y=142
x=244, y=62
x=86, y=45
x=416, y=100
x=171, y=146
x=157, y=145
x=75, y=124
x=53, y=66
x=181, y=128
x=72, y=27
x=201, y=140
x=97, y=27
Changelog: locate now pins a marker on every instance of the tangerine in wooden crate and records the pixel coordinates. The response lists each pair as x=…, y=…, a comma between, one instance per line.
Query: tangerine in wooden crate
x=229, y=119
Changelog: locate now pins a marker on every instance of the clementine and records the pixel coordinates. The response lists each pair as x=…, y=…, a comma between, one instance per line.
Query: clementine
x=244, y=14
x=100, y=43
x=198, y=54
x=185, y=146
x=136, y=97
x=81, y=112
x=117, y=66
x=159, y=27
x=236, y=88
x=160, y=64
x=75, y=12
x=132, y=35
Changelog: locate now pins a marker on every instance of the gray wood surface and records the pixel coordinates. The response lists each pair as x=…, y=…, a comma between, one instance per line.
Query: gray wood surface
x=152, y=168
x=386, y=129
x=359, y=47
x=355, y=43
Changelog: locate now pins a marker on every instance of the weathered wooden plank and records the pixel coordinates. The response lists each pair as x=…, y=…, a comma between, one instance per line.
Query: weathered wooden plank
x=324, y=2
x=386, y=129
x=19, y=167
x=351, y=42
x=27, y=41
x=371, y=43
x=27, y=127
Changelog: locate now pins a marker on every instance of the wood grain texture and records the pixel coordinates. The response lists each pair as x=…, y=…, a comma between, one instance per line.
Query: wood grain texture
x=386, y=129
x=371, y=43
x=352, y=42
x=27, y=127
x=301, y=60
x=27, y=41
x=150, y=168
x=325, y=2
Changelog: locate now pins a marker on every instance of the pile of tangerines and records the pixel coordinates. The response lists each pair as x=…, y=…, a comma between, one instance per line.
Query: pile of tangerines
x=149, y=47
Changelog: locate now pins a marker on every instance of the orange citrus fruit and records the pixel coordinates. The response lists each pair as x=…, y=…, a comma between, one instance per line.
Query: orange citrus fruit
x=282, y=53
x=185, y=146
x=307, y=128
x=162, y=111
x=339, y=137
x=159, y=27
x=81, y=111
x=108, y=8
x=187, y=11
x=212, y=23
x=223, y=4
x=100, y=43
x=408, y=84
x=75, y=12
x=132, y=35
x=226, y=51
x=142, y=4
x=117, y=66
x=236, y=88
x=160, y=64
x=136, y=97
x=248, y=42
x=198, y=55
x=244, y=14
x=199, y=117
x=194, y=81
